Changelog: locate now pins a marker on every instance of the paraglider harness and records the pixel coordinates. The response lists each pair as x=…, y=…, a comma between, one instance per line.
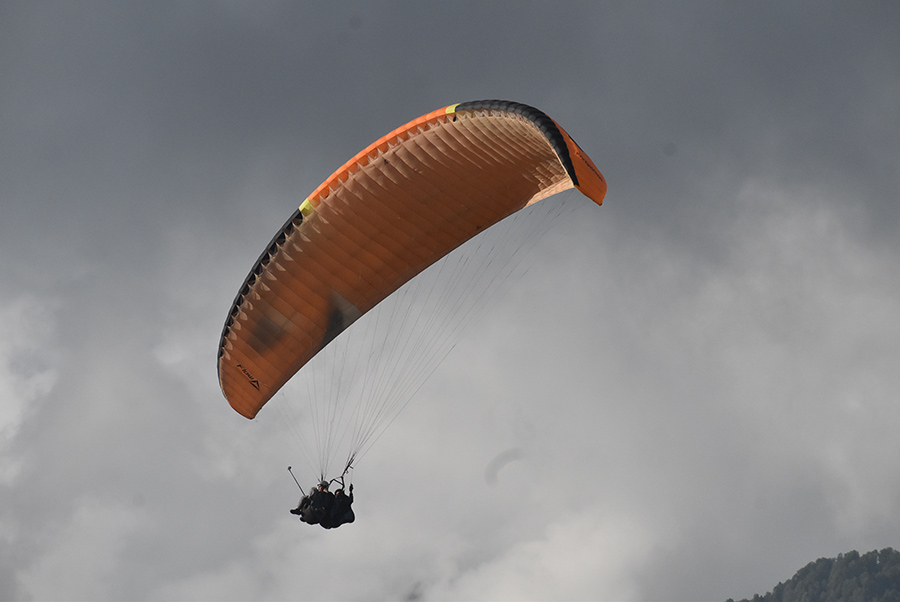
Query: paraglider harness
x=324, y=508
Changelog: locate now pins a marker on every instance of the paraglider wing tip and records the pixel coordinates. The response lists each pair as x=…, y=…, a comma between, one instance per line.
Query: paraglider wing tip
x=588, y=178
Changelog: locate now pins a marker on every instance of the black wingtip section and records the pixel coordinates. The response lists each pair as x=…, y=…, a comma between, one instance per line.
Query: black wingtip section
x=540, y=119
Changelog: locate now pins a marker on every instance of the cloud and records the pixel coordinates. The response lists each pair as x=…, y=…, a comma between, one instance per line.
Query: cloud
x=86, y=553
x=28, y=368
x=580, y=557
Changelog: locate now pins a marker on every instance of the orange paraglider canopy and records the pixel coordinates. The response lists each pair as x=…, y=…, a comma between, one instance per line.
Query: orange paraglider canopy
x=395, y=208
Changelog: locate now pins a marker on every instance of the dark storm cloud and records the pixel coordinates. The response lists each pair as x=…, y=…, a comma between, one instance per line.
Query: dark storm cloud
x=708, y=93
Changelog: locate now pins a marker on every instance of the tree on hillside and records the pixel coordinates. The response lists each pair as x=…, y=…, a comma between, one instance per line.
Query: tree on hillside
x=851, y=577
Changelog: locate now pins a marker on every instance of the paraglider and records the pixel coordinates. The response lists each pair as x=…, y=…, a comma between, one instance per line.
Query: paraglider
x=390, y=212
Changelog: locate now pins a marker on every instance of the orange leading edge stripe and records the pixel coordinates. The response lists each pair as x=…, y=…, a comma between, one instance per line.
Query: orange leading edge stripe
x=588, y=178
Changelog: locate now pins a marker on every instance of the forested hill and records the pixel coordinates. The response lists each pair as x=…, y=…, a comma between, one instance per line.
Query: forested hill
x=851, y=577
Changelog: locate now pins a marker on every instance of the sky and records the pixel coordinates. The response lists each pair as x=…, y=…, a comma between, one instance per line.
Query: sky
x=690, y=394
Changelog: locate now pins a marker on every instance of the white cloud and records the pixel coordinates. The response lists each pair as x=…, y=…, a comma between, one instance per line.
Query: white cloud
x=84, y=562
x=579, y=557
x=27, y=366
